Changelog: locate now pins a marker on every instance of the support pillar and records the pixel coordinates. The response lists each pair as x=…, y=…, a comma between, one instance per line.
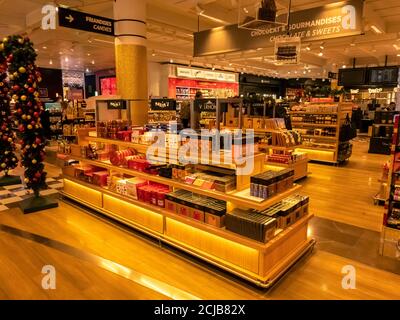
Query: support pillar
x=131, y=56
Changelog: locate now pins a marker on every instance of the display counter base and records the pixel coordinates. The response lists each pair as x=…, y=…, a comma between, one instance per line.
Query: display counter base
x=35, y=204
x=9, y=180
x=259, y=263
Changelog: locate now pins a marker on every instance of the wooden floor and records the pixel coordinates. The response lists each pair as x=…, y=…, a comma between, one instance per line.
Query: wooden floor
x=342, y=194
x=345, y=193
x=317, y=277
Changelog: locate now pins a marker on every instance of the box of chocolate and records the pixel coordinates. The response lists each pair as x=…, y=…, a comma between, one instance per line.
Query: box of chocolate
x=121, y=187
x=132, y=186
x=100, y=178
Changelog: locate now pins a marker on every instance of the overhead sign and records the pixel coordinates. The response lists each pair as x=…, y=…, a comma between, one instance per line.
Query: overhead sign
x=163, y=104
x=205, y=74
x=335, y=20
x=287, y=51
x=376, y=90
x=205, y=105
x=85, y=21
x=116, y=104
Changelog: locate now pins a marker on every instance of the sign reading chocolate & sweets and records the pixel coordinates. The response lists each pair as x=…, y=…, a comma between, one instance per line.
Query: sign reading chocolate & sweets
x=335, y=20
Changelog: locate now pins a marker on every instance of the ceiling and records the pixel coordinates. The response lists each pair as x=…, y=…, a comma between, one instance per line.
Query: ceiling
x=170, y=28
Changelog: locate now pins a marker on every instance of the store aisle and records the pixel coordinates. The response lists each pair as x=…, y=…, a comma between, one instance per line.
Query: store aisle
x=318, y=275
x=345, y=193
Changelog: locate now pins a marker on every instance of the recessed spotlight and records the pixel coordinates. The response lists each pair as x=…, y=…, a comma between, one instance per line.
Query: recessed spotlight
x=230, y=64
x=59, y=52
x=322, y=46
x=376, y=29
x=88, y=54
x=51, y=62
x=321, y=54
x=36, y=49
x=153, y=54
x=92, y=61
x=44, y=47
x=344, y=66
x=171, y=60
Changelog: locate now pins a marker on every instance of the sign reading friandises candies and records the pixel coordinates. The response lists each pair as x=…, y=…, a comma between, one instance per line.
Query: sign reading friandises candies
x=335, y=20
x=84, y=21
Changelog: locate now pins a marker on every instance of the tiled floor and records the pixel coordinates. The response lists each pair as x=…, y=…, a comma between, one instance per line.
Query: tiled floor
x=10, y=196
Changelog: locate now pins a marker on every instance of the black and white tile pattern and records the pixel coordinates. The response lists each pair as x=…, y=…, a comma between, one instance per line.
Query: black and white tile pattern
x=10, y=196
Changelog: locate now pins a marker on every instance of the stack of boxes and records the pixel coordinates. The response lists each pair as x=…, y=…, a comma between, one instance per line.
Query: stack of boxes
x=265, y=185
x=200, y=208
x=261, y=226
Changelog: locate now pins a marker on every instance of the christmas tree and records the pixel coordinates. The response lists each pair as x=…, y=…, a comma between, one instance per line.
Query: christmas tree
x=24, y=78
x=8, y=159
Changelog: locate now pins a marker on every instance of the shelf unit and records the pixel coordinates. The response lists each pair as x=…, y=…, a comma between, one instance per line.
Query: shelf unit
x=300, y=167
x=323, y=153
x=260, y=263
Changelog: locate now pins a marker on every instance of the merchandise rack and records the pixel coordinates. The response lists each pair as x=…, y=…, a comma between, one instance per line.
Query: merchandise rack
x=323, y=153
x=390, y=244
x=260, y=263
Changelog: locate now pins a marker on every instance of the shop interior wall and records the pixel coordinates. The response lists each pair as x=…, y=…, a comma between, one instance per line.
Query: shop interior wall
x=52, y=80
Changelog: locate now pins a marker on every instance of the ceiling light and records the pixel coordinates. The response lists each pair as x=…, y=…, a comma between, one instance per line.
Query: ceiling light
x=398, y=54
x=66, y=59
x=344, y=66
x=322, y=46
x=213, y=19
x=242, y=72
x=36, y=50
x=88, y=54
x=309, y=70
x=171, y=60
x=320, y=54
x=87, y=69
x=308, y=47
x=44, y=47
x=51, y=62
x=199, y=9
x=304, y=72
x=59, y=52
x=92, y=61
x=230, y=64
x=153, y=54
x=213, y=68
x=376, y=29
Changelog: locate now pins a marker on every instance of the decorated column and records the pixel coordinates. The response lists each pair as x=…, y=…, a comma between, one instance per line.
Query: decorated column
x=24, y=78
x=8, y=159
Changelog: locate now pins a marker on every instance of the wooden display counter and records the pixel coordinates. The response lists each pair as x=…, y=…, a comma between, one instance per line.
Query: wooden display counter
x=254, y=261
x=258, y=262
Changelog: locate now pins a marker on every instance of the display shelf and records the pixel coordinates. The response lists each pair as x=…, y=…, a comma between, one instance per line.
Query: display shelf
x=319, y=137
x=240, y=198
x=323, y=154
x=300, y=167
x=318, y=125
x=141, y=148
x=260, y=263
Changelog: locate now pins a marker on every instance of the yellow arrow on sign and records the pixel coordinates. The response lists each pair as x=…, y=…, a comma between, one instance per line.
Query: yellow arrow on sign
x=70, y=18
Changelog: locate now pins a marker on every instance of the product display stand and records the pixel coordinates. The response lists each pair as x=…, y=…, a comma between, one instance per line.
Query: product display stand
x=390, y=243
x=8, y=180
x=258, y=262
x=319, y=147
x=37, y=203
